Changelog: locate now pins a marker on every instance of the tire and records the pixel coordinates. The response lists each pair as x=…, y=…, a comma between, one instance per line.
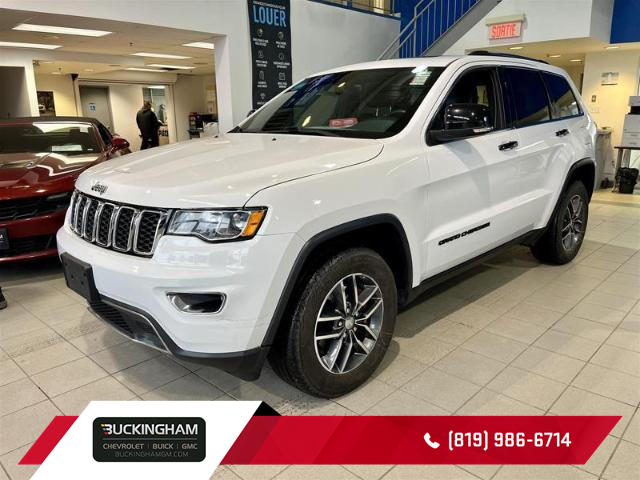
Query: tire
x=307, y=363
x=564, y=236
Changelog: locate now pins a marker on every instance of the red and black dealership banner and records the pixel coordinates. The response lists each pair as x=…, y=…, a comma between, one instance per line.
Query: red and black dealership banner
x=419, y=440
x=105, y=441
x=270, y=36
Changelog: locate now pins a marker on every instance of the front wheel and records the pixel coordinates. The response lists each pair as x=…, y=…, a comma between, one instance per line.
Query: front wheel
x=565, y=234
x=342, y=325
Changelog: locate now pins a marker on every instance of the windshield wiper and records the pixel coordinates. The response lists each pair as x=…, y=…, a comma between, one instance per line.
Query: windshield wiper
x=305, y=131
x=77, y=152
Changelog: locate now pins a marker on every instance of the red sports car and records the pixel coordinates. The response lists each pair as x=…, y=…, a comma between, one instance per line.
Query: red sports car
x=40, y=159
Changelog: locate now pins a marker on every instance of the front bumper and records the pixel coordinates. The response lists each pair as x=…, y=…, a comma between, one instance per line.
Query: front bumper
x=32, y=238
x=250, y=273
x=141, y=327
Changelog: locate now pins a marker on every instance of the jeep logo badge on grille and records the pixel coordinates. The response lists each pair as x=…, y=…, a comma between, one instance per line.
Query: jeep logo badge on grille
x=99, y=187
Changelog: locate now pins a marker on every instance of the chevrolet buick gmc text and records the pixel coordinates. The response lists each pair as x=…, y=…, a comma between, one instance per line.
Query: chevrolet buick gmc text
x=298, y=234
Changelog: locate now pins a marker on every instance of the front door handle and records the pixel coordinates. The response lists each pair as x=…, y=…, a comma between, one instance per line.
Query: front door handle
x=508, y=146
x=562, y=133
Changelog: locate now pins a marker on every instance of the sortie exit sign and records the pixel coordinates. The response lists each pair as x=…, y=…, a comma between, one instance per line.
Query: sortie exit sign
x=505, y=27
x=505, y=30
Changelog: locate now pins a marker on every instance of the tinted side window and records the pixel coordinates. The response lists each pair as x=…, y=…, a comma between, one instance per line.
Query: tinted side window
x=529, y=96
x=563, y=101
x=104, y=133
x=475, y=86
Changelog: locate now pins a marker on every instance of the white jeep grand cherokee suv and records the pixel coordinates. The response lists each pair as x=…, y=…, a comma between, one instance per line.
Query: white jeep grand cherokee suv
x=299, y=233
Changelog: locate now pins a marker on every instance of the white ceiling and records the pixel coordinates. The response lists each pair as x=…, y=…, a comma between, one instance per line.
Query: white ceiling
x=108, y=53
x=568, y=49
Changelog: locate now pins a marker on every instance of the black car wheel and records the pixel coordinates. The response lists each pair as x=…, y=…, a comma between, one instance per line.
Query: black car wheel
x=565, y=234
x=342, y=325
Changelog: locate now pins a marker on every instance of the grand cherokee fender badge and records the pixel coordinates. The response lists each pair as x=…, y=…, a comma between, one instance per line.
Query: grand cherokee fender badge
x=99, y=187
x=464, y=234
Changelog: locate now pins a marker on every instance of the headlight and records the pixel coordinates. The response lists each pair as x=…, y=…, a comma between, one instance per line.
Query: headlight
x=217, y=225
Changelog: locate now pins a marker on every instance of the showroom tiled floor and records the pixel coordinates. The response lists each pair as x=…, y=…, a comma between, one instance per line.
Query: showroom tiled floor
x=511, y=337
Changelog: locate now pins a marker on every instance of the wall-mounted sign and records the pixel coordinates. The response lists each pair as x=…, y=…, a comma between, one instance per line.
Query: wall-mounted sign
x=46, y=104
x=609, y=78
x=505, y=27
x=505, y=30
x=270, y=35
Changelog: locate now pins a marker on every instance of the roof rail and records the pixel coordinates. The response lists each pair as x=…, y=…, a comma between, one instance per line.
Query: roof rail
x=508, y=55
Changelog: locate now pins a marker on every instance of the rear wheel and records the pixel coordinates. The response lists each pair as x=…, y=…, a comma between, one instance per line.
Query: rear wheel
x=563, y=239
x=342, y=325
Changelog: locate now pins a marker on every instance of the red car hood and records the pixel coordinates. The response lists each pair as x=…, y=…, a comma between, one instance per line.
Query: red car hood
x=29, y=174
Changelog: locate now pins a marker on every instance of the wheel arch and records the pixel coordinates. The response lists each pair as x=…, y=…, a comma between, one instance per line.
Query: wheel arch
x=585, y=171
x=382, y=233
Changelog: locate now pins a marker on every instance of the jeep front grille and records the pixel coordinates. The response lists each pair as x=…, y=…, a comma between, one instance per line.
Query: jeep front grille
x=124, y=228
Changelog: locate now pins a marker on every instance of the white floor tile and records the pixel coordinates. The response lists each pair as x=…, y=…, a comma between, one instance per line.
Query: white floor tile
x=575, y=401
x=609, y=383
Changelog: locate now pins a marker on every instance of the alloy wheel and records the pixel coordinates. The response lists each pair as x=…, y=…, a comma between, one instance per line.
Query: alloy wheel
x=349, y=323
x=573, y=223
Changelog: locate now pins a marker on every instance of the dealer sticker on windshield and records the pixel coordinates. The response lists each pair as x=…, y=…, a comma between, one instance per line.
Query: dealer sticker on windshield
x=343, y=122
x=420, y=75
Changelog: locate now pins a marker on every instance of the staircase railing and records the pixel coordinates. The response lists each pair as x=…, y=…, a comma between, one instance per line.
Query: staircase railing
x=431, y=20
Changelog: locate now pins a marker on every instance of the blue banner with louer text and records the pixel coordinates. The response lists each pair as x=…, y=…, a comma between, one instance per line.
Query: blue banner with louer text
x=270, y=36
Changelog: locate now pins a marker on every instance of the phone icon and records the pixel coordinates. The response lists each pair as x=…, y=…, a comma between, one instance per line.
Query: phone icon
x=427, y=438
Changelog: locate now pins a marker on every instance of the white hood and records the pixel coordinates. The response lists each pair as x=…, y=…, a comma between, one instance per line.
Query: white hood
x=221, y=172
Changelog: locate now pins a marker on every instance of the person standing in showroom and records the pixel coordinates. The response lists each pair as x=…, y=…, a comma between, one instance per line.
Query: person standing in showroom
x=149, y=125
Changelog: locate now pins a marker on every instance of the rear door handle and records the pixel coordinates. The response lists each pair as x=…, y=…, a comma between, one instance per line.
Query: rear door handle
x=562, y=133
x=508, y=146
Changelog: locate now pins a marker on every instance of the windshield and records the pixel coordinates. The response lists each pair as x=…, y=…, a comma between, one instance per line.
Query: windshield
x=360, y=103
x=37, y=137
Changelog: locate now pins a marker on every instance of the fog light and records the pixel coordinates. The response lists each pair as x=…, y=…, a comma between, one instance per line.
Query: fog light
x=198, y=302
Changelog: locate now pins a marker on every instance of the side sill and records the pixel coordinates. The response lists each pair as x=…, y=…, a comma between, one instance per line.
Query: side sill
x=527, y=239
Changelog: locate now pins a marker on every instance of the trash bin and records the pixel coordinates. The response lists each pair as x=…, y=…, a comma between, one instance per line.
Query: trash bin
x=627, y=178
x=604, y=158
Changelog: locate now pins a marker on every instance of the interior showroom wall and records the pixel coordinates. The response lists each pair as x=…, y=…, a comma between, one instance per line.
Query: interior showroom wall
x=64, y=93
x=313, y=26
x=611, y=100
x=14, y=79
x=24, y=101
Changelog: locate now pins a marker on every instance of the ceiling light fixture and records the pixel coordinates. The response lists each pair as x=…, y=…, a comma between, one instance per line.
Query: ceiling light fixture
x=576, y=60
x=555, y=55
x=159, y=55
x=44, y=46
x=611, y=47
x=83, y=32
x=89, y=70
x=516, y=48
x=207, y=45
x=159, y=87
x=136, y=69
x=176, y=67
x=56, y=73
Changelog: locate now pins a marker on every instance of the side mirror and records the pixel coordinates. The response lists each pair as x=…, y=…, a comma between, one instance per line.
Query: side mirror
x=463, y=120
x=119, y=143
